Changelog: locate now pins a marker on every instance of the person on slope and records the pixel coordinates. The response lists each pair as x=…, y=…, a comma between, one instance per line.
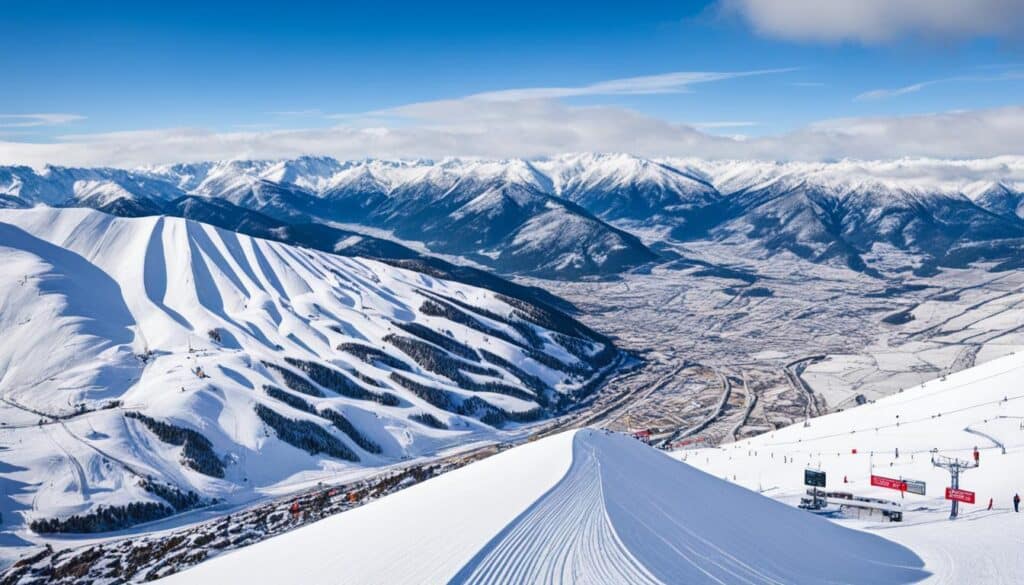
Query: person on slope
x=977, y=456
x=1016, y=502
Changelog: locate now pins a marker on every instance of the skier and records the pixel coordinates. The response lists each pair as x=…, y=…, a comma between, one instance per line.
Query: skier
x=1016, y=502
x=977, y=456
x=990, y=503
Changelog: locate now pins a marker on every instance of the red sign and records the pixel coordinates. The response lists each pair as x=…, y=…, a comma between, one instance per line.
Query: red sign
x=888, y=482
x=960, y=495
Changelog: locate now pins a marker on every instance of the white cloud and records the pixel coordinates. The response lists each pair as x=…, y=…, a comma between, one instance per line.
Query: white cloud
x=725, y=124
x=34, y=120
x=675, y=82
x=877, y=94
x=879, y=21
x=531, y=128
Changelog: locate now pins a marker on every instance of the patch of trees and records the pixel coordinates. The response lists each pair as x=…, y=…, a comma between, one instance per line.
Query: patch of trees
x=495, y=416
x=344, y=425
x=288, y=398
x=178, y=499
x=109, y=518
x=528, y=332
x=295, y=381
x=604, y=356
x=429, y=420
x=305, y=435
x=197, y=454
x=550, y=319
x=214, y=335
x=438, y=308
x=474, y=406
x=472, y=308
x=557, y=364
x=433, y=396
x=458, y=348
x=436, y=360
x=374, y=356
x=582, y=350
x=574, y=345
x=530, y=380
x=366, y=379
x=103, y=519
x=340, y=383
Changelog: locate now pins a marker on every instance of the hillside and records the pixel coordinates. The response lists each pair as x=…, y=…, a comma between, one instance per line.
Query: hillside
x=154, y=365
x=581, y=506
x=894, y=437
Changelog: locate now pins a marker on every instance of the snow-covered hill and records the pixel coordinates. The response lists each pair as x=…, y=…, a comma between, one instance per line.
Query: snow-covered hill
x=163, y=363
x=982, y=407
x=579, y=507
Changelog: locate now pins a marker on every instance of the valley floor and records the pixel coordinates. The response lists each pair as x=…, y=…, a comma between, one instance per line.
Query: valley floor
x=729, y=358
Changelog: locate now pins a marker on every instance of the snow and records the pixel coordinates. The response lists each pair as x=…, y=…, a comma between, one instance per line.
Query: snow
x=84, y=296
x=979, y=407
x=909, y=174
x=566, y=175
x=101, y=192
x=581, y=506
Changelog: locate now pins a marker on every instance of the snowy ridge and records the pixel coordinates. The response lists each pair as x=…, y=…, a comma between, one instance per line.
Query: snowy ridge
x=582, y=506
x=290, y=364
x=559, y=175
x=499, y=213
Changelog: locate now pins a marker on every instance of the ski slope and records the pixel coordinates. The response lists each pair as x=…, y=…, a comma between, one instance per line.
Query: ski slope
x=579, y=507
x=980, y=407
x=146, y=357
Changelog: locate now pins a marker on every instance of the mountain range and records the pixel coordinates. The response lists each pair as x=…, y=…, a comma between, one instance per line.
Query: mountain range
x=580, y=215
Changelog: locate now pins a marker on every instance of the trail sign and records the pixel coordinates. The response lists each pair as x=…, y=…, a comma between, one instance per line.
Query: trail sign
x=814, y=478
x=888, y=482
x=959, y=495
x=915, y=487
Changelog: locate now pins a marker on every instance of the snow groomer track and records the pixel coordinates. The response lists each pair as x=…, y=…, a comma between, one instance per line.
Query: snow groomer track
x=583, y=506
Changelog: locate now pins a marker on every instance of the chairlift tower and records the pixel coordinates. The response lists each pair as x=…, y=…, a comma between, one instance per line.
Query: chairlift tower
x=955, y=467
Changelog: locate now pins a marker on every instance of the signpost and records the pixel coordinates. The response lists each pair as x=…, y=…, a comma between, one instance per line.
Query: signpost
x=915, y=487
x=888, y=482
x=959, y=495
x=815, y=479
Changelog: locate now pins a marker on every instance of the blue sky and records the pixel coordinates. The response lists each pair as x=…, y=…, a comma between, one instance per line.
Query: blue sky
x=123, y=71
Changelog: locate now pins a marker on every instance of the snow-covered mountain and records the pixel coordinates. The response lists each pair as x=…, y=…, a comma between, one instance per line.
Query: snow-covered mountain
x=624, y=187
x=579, y=507
x=156, y=364
x=499, y=213
x=573, y=215
x=945, y=213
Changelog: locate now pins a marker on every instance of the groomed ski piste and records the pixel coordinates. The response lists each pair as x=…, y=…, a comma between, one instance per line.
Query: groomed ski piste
x=980, y=407
x=583, y=506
